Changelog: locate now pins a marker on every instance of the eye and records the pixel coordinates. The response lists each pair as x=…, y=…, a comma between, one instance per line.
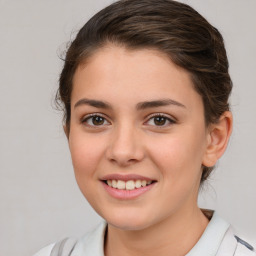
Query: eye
x=160, y=120
x=95, y=120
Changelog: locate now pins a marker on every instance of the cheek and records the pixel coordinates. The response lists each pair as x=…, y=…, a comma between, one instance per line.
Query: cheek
x=178, y=155
x=86, y=152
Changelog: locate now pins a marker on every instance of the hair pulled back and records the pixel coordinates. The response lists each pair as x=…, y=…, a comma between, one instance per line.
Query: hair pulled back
x=173, y=28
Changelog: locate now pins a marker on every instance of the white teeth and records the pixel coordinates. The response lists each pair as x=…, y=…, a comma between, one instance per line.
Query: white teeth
x=114, y=184
x=121, y=184
x=137, y=183
x=128, y=185
x=144, y=183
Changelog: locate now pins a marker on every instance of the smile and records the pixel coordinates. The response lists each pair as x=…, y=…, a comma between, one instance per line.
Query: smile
x=125, y=187
x=128, y=185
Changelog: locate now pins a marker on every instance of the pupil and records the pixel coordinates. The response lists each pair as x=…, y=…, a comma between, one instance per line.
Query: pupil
x=97, y=120
x=159, y=120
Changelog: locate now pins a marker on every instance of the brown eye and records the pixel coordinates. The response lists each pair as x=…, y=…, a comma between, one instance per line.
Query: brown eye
x=160, y=120
x=95, y=120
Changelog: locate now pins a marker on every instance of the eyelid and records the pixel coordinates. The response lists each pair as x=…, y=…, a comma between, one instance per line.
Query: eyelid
x=172, y=120
x=169, y=118
x=86, y=117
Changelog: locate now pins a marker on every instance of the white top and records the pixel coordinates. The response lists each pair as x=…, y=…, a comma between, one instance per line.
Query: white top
x=217, y=240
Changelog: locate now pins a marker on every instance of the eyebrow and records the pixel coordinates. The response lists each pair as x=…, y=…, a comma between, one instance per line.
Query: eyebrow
x=139, y=106
x=158, y=103
x=93, y=103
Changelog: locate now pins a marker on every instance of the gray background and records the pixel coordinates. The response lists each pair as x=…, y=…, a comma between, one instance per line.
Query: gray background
x=39, y=199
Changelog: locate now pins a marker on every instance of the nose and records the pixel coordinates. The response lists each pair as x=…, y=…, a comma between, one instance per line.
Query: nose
x=125, y=147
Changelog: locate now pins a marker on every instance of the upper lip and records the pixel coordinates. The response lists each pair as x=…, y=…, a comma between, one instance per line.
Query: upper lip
x=125, y=177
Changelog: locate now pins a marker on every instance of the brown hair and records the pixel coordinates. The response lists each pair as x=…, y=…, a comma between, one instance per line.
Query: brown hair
x=171, y=27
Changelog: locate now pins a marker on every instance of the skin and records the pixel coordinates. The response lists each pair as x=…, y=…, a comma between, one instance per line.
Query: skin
x=166, y=219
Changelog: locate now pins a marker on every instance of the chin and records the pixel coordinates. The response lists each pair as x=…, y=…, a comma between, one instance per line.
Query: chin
x=128, y=220
x=128, y=225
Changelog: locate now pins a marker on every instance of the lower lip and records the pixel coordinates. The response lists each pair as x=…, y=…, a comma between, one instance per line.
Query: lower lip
x=127, y=194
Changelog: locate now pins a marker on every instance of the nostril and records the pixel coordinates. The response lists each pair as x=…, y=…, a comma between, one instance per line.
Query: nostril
x=123, y=161
x=125, y=149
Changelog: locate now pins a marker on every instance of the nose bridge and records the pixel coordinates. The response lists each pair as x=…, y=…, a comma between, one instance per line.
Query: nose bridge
x=125, y=147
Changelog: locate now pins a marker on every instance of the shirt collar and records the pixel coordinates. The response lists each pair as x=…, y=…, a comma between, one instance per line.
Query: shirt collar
x=212, y=237
x=209, y=243
x=92, y=243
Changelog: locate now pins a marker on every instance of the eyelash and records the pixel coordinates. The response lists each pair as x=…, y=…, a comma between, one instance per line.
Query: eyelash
x=167, y=118
x=94, y=115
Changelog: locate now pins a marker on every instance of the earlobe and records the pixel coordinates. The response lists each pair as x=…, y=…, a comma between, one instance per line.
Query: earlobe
x=218, y=137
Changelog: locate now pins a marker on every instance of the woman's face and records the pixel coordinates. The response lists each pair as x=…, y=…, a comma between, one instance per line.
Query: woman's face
x=136, y=119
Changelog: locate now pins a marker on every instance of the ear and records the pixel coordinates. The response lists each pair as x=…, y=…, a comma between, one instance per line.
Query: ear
x=217, y=139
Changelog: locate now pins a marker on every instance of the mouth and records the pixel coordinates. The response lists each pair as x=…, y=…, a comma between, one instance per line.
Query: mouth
x=129, y=184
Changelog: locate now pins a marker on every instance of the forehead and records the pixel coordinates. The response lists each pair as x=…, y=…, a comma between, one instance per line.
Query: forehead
x=117, y=72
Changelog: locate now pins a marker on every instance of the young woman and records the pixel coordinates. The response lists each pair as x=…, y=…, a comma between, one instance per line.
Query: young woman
x=145, y=90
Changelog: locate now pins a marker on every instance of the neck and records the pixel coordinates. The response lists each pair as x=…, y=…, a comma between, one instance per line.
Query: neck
x=176, y=235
